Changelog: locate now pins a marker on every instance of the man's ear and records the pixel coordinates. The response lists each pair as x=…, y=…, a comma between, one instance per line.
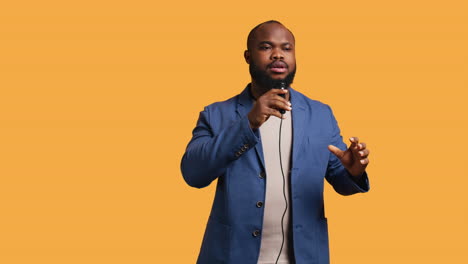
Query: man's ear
x=247, y=56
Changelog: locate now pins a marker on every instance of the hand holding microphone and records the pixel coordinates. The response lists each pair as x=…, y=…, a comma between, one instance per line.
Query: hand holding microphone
x=270, y=103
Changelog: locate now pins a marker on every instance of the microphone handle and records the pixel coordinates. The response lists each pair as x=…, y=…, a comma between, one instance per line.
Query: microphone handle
x=282, y=111
x=282, y=87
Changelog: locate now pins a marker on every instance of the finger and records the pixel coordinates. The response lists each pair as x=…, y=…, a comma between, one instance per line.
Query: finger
x=270, y=96
x=363, y=153
x=280, y=104
x=336, y=151
x=364, y=161
x=281, y=93
x=354, y=141
x=277, y=97
x=362, y=146
x=274, y=112
x=273, y=94
x=278, y=91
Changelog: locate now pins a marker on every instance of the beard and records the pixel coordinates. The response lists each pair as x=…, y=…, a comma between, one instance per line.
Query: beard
x=264, y=80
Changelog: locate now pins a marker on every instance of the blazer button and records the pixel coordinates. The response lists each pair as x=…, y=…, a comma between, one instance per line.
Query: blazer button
x=262, y=175
x=256, y=233
x=259, y=204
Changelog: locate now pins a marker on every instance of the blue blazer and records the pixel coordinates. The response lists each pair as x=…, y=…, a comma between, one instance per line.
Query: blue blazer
x=224, y=147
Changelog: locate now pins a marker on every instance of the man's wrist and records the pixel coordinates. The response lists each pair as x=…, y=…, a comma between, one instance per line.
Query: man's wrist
x=356, y=176
x=252, y=125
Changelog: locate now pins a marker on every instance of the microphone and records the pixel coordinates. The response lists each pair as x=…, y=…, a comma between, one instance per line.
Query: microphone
x=282, y=86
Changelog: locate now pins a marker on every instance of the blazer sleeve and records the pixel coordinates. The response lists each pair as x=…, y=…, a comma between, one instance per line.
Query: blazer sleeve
x=209, y=153
x=337, y=175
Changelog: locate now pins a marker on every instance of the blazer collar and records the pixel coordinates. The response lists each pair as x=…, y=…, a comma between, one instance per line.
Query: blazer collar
x=245, y=100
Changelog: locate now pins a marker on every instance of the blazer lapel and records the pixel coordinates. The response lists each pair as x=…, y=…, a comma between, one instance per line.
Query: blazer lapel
x=298, y=118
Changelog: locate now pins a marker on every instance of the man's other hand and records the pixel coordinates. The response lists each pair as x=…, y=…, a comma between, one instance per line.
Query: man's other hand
x=355, y=158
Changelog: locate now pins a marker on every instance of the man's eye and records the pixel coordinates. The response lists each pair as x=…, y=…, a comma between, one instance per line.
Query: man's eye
x=264, y=47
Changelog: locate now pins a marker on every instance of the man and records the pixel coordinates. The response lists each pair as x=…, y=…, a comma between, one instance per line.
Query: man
x=270, y=166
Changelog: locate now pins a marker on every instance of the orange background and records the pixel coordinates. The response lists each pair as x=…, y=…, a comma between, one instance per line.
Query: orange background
x=98, y=100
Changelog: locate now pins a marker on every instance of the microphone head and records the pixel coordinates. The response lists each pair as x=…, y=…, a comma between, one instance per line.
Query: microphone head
x=282, y=85
x=279, y=85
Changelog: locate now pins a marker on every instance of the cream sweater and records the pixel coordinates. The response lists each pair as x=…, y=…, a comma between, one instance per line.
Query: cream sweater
x=274, y=201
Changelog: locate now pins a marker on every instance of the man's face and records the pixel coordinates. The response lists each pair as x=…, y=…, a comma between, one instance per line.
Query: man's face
x=271, y=55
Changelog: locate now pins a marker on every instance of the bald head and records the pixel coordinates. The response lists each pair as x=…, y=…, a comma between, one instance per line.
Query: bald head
x=253, y=33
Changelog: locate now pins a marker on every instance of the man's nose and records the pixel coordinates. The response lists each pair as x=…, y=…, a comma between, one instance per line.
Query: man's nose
x=277, y=54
